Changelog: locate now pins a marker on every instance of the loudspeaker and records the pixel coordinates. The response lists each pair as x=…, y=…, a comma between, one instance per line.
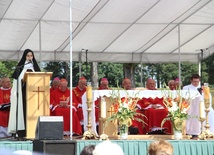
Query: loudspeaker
x=49, y=128
x=55, y=147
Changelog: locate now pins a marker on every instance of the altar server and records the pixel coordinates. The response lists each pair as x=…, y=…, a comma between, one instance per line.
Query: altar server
x=192, y=124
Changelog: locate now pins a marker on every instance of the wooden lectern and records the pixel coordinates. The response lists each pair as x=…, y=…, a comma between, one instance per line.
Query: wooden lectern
x=37, y=99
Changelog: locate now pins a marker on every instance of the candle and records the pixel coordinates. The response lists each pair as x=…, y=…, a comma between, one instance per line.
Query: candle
x=89, y=92
x=206, y=92
x=103, y=108
x=201, y=110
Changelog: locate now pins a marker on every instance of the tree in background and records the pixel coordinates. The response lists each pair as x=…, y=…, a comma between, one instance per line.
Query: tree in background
x=129, y=70
x=162, y=73
x=7, y=68
x=60, y=69
x=209, y=62
x=112, y=71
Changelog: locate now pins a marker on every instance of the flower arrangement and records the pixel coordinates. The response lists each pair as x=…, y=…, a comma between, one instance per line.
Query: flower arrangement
x=177, y=108
x=124, y=108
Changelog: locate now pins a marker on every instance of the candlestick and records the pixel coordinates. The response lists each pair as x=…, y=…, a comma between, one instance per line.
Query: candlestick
x=103, y=108
x=207, y=131
x=201, y=110
x=89, y=134
x=89, y=91
x=202, y=135
x=206, y=92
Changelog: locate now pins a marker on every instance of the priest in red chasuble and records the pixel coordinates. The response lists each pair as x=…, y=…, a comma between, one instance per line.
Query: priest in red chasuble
x=55, y=84
x=60, y=106
x=126, y=84
x=77, y=93
x=5, y=92
x=103, y=86
x=154, y=110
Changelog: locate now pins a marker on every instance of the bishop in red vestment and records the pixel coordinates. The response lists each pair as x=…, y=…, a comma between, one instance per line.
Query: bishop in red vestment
x=154, y=110
x=55, y=84
x=77, y=93
x=5, y=92
x=103, y=86
x=60, y=103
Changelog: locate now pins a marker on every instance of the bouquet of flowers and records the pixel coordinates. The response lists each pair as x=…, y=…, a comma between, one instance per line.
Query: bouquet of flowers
x=124, y=108
x=177, y=108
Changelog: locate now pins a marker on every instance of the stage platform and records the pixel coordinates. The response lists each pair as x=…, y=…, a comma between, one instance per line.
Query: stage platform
x=131, y=146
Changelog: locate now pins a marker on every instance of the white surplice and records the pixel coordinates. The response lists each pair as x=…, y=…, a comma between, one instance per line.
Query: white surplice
x=17, y=84
x=193, y=125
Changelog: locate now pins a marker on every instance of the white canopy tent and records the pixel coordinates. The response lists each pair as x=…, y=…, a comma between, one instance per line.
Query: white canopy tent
x=111, y=30
x=127, y=31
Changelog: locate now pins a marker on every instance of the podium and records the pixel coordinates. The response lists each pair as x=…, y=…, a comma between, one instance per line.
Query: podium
x=37, y=99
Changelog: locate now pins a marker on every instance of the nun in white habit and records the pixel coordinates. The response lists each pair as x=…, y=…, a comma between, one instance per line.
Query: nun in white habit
x=18, y=100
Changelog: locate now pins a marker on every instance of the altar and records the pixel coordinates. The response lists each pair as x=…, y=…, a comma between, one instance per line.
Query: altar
x=194, y=95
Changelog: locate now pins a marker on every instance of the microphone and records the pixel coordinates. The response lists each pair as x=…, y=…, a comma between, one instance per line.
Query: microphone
x=30, y=61
x=200, y=90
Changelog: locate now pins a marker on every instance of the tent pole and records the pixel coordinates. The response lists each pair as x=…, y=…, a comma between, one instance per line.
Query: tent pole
x=40, y=44
x=179, y=53
x=202, y=52
x=80, y=64
x=199, y=67
x=141, y=72
x=71, y=86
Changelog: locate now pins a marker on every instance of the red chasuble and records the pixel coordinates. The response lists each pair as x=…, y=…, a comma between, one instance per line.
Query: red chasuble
x=52, y=89
x=56, y=97
x=4, y=114
x=77, y=101
x=154, y=116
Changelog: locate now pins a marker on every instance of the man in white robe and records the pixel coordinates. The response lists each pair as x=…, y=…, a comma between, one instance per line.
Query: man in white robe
x=193, y=125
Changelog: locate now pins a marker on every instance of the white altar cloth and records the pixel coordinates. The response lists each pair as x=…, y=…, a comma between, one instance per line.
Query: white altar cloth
x=132, y=93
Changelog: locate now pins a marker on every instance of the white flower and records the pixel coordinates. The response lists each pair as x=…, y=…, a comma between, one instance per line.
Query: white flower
x=184, y=111
x=174, y=107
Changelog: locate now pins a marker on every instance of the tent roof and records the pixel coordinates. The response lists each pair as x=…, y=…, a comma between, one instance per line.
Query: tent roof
x=110, y=30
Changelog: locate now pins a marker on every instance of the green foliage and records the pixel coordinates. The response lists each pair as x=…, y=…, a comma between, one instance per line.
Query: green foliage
x=124, y=108
x=112, y=71
x=209, y=62
x=162, y=73
x=59, y=69
x=7, y=68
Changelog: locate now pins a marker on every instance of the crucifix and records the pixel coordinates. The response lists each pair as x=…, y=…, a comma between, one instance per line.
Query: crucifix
x=63, y=98
x=111, y=110
x=38, y=95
